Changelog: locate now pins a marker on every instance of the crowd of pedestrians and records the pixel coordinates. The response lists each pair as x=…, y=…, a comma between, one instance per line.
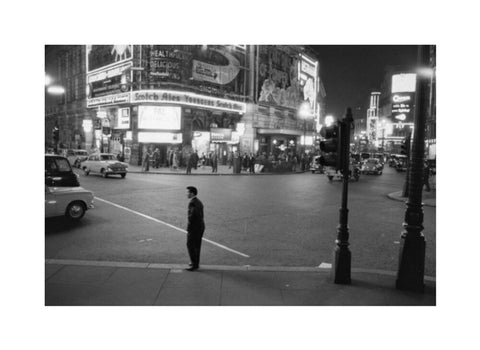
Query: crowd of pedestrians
x=285, y=161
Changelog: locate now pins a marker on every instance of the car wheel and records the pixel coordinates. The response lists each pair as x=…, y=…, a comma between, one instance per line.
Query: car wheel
x=104, y=173
x=75, y=210
x=123, y=175
x=86, y=171
x=313, y=171
x=330, y=178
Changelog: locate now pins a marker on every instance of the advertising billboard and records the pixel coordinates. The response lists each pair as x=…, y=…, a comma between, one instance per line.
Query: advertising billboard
x=101, y=56
x=109, y=81
x=402, y=107
x=404, y=82
x=159, y=117
x=212, y=69
x=286, y=78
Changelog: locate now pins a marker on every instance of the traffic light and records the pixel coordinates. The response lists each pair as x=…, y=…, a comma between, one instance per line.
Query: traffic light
x=405, y=146
x=332, y=145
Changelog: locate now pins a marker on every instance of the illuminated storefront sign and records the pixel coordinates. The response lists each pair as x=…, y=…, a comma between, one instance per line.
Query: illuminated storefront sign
x=123, y=118
x=109, y=81
x=108, y=100
x=159, y=137
x=220, y=135
x=87, y=125
x=159, y=117
x=187, y=98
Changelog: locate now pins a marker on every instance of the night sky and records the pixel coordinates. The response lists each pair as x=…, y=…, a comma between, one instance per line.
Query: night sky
x=350, y=72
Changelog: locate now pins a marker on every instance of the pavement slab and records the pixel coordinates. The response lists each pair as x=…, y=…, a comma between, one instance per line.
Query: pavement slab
x=94, y=284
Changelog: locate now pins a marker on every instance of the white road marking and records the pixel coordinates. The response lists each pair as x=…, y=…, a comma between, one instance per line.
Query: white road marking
x=325, y=265
x=171, y=226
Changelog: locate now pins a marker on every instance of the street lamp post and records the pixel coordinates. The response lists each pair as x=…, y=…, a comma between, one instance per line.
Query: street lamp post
x=342, y=256
x=56, y=90
x=412, y=247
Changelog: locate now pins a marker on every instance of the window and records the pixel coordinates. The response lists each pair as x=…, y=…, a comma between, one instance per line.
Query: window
x=63, y=165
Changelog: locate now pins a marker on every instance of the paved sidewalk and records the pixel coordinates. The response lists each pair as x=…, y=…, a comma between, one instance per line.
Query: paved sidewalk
x=70, y=282
x=206, y=170
x=429, y=199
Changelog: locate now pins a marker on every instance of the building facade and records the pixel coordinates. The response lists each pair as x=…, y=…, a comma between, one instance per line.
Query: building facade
x=184, y=98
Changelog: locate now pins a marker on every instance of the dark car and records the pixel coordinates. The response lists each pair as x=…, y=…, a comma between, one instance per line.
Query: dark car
x=59, y=173
x=372, y=166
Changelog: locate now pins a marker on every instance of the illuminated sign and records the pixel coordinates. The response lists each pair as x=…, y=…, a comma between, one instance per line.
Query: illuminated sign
x=108, y=100
x=397, y=98
x=404, y=82
x=87, y=125
x=102, y=56
x=220, y=135
x=109, y=81
x=214, y=73
x=159, y=117
x=307, y=72
x=189, y=99
x=123, y=118
x=402, y=106
x=159, y=137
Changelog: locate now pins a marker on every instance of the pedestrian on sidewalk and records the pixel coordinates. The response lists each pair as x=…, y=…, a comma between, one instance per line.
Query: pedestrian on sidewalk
x=189, y=163
x=230, y=159
x=146, y=161
x=426, y=176
x=214, y=162
x=195, y=228
x=156, y=158
x=251, y=163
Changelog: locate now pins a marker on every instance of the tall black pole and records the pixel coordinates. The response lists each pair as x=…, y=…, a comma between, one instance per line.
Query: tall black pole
x=342, y=255
x=412, y=247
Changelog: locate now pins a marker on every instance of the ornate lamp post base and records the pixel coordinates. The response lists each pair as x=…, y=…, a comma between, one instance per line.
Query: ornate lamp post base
x=342, y=258
x=411, y=262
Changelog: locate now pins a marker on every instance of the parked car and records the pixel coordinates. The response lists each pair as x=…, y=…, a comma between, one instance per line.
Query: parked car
x=372, y=166
x=315, y=165
x=401, y=163
x=105, y=164
x=76, y=156
x=58, y=172
x=72, y=202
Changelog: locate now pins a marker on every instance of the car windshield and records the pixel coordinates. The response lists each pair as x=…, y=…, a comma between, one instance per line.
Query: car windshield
x=82, y=153
x=62, y=165
x=372, y=161
x=107, y=157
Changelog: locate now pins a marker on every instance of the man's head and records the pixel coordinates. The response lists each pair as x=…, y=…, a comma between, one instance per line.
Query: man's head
x=191, y=191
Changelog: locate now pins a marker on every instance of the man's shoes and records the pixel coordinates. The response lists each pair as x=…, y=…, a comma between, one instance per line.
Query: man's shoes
x=192, y=268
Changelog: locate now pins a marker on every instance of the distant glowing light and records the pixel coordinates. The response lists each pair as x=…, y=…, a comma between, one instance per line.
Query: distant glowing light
x=56, y=90
x=425, y=72
x=329, y=120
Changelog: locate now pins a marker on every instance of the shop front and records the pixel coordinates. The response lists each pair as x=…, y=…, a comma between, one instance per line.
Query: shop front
x=279, y=142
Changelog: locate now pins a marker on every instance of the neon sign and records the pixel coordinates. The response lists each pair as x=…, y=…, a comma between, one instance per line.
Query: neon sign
x=187, y=98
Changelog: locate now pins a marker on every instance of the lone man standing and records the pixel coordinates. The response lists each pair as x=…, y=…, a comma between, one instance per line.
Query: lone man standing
x=195, y=228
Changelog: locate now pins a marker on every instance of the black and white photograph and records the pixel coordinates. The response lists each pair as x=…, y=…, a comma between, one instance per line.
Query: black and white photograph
x=226, y=175
x=239, y=175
